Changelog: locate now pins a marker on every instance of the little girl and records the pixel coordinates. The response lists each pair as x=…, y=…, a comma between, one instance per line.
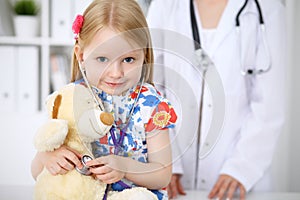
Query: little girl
x=113, y=54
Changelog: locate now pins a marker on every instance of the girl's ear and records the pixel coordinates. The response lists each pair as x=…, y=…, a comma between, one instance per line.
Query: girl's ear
x=78, y=52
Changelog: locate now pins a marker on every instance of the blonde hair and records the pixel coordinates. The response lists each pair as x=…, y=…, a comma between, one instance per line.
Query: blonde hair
x=124, y=16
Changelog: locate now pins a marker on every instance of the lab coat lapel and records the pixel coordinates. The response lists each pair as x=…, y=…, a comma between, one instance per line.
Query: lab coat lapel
x=226, y=24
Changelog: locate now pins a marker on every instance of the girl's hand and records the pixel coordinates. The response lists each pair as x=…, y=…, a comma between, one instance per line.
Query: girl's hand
x=108, y=169
x=226, y=187
x=60, y=161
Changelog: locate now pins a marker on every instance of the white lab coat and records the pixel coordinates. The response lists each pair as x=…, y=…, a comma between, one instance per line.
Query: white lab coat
x=254, y=108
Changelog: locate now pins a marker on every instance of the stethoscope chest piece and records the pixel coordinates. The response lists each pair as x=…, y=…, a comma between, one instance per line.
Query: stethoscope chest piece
x=85, y=169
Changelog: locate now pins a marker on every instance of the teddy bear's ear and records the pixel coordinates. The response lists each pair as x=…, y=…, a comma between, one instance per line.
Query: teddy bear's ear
x=50, y=103
x=56, y=106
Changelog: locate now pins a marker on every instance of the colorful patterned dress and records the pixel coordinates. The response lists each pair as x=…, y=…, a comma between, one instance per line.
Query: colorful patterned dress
x=151, y=112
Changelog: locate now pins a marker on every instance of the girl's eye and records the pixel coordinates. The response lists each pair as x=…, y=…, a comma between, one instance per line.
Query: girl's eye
x=128, y=60
x=102, y=59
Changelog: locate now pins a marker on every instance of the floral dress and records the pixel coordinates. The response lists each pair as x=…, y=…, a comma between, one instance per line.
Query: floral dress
x=150, y=112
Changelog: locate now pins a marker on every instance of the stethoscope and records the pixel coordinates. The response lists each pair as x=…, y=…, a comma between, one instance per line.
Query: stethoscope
x=117, y=142
x=244, y=72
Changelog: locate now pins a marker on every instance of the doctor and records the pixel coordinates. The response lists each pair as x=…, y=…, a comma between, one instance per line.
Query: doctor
x=242, y=153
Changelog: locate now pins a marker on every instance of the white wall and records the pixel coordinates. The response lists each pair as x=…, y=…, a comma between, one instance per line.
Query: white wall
x=286, y=163
x=287, y=160
x=17, y=150
x=294, y=96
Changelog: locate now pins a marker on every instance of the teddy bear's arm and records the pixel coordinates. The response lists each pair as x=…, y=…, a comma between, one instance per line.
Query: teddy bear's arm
x=51, y=135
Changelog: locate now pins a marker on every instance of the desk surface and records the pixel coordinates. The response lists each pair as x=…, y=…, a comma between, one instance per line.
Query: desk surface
x=12, y=192
x=26, y=193
x=192, y=195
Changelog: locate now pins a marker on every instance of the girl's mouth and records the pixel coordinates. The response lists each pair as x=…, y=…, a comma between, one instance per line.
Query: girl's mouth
x=114, y=85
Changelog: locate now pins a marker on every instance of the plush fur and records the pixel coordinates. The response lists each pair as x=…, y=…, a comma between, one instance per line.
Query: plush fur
x=75, y=121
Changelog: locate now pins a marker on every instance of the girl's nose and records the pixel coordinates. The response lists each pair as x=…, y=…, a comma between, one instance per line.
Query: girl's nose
x=115, y=70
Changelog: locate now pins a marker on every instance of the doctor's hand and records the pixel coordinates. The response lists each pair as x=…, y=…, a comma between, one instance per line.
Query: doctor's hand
x=108, y=169
x=175, y=188
x=60, y=161
x=225, y=188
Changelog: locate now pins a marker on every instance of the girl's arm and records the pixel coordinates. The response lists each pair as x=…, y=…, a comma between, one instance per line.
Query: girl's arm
x=155, y=174
x=56, y=162
x=36, y=165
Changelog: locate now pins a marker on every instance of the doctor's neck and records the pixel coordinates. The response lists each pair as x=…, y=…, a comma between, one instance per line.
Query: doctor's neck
x=210, y=12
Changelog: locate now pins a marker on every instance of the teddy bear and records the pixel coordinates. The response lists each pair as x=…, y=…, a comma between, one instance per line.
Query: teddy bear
x=76, y=120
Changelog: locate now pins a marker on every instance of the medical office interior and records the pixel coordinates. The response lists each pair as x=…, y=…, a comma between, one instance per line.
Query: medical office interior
x=33, y=66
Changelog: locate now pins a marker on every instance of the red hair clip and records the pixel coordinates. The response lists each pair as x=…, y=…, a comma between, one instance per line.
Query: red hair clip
x=77, y=25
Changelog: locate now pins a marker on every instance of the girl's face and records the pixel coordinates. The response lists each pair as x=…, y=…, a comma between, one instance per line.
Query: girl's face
x=111, y=63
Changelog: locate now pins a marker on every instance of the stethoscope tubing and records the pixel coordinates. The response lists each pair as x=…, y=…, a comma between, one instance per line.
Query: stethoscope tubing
x=246, y=72
x=99, y=103
x=260, y=15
